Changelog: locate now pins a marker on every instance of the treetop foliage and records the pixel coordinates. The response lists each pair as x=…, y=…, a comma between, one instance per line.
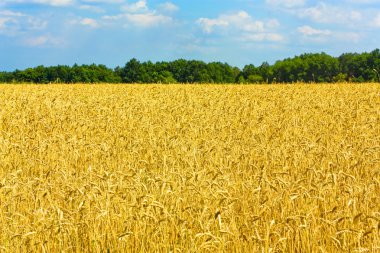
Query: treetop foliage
x=316, y=67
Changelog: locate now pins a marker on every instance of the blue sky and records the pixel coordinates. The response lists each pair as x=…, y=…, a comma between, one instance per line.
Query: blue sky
x=239, y=32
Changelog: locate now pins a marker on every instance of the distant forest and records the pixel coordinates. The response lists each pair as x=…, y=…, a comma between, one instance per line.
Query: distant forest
x=313, y=68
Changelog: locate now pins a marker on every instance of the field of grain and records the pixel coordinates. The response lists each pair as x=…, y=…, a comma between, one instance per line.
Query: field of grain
x=207, y=168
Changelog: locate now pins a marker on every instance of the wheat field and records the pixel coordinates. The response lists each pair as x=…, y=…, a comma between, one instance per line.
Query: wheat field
x=190, y=168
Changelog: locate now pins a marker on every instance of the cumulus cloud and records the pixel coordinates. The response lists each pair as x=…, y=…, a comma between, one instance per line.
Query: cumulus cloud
x=309, y=31
x=9, y=20
x=273, y=23
x=349, y=36
x=362, y=1
x=92, y=8
x=43, y=40
x=15, y=23
x=139, y=6
x=11, y=13
x=148, y=19
x=208, y=25
x=55, y=2
x=85, y=22
x=60, y=3
x=45, y=2
x=104, y=1
x=286, y=3
x=325, y=35
x=241, y=20
x=89, y=22
x=275, y=37
x=323, y=13
x=97, y=6
x=141, y=19
x=4, y=23
x=37, y=41
x=168, y=7
x=243, y=25
x=376, y=21
x=138, y=14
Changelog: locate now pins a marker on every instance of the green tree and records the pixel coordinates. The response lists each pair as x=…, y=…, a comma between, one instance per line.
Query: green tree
x=132, y=72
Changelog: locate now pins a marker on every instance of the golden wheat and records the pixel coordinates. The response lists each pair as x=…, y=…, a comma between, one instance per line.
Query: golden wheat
x=208, y=168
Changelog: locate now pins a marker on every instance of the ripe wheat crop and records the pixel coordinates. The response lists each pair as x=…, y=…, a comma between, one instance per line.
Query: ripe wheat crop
x=208, y=168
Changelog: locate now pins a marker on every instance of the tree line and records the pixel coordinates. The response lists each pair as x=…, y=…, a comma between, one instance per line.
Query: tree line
x=310, y=67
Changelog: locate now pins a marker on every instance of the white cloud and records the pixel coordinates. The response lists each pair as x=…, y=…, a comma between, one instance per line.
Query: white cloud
x=46, y=2
x=3, y=23
x=241, y=20
x=362, y=1
x=36, y=23
x=309, y=31
x=9, y=21
x=92, y=8
x=55, y=2
x=37, y=41
x=139, y=6
x=144, y=20
x=326, y=35
x=376, y=21
x=15, y=23
x=275, y=37
x=89, y=22
x=138, y=14
x=11, y=13
x=286, y=3
x=43, y=41
x=148, y=19
x=104, y=1
x=208, y=25
x=242, y=26
x=273, y=23
x=349, y=36
x=323, y=13
x=168, y=7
